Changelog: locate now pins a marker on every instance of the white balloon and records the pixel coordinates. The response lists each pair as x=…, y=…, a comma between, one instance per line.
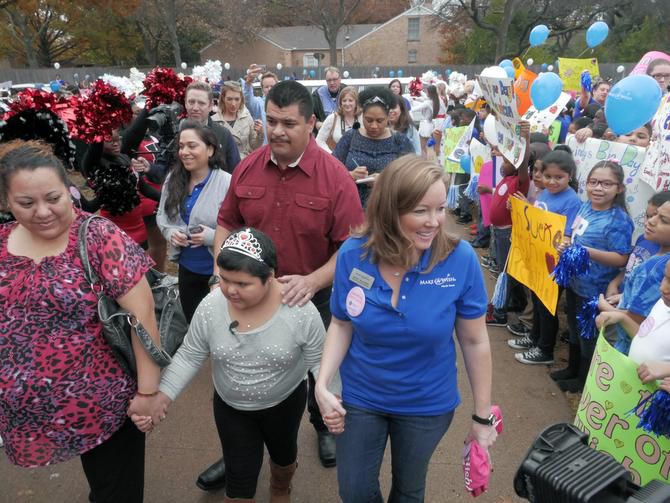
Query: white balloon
x=620, y=69
x=497, y=72
x=490, y=130
x=550, y=68
x=279, y=66
x=345, y=74
x=56, y=66
x=530, y=61
x=184, y=65
x=226, y=66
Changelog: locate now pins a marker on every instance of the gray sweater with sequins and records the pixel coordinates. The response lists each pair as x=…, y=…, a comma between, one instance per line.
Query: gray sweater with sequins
x=252, y=370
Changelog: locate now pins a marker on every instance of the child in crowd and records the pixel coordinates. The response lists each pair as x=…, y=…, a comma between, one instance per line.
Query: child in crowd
x=514, y=180
x=639, y=292
x=558, y=196
x=651, y=345
x=604, y=228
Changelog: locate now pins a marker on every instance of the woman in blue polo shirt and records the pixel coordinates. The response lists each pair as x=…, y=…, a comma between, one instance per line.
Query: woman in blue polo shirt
x=402, y=286
x=190, y=200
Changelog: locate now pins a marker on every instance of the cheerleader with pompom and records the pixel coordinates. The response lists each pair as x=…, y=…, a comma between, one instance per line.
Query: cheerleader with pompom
x=603, y=230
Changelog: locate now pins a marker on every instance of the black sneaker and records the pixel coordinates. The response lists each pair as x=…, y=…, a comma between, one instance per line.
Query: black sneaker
x=534, y=356
x=518, y=329
x=521, y=343
x=494, y=320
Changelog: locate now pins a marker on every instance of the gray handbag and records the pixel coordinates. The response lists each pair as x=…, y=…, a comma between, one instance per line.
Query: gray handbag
x=116, y=322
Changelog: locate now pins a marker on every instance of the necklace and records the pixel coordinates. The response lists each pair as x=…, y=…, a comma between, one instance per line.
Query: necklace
x=396, y=274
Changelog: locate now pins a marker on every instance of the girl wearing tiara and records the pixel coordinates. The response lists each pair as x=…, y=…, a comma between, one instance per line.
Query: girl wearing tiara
x=261, y=351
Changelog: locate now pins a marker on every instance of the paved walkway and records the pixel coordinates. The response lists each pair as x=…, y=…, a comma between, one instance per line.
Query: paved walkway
x=187, y=442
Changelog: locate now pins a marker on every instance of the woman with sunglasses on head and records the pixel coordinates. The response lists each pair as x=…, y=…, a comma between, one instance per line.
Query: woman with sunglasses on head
x=342, y=120
x=368, y=150
x=234, y=116
x=261, y=350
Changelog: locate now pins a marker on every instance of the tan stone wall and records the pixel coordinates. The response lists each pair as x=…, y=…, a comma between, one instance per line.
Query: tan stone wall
x=389, y=46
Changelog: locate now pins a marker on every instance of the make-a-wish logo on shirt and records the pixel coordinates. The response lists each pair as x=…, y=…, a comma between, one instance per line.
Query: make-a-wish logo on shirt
x=447, y=281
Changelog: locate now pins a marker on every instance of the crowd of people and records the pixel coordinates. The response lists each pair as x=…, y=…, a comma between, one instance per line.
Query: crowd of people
x=310, y=235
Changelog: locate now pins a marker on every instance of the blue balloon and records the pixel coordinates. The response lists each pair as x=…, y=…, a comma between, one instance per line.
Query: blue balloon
x=506, y=62
x=597, y=33
x=55, y=86
x=631, y=103
x=465, y=162
x=312, y=73
x=391, y=74
x=400, y=73
x=543, y=67
x=538, y=35
x=545, y=90
x=510, y=71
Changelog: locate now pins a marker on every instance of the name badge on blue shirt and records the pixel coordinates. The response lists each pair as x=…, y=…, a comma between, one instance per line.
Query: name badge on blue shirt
x=361, y=279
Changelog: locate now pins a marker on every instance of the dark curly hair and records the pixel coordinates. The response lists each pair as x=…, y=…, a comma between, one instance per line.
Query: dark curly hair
x=377, y=96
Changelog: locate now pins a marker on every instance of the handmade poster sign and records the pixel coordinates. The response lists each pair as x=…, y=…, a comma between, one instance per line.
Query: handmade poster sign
x=629, y=157
x=451, y=137
x=462, y=144
x=499, y=94
x=570, y=70
x=656, y=166
x=613, y=389
x=480, y=154
x=541, y=120
x=536, y=234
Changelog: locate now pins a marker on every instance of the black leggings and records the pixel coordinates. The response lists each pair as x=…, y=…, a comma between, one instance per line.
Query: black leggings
x=193, y=288
x=115, y=468
x=545, y=326
x=243, y=434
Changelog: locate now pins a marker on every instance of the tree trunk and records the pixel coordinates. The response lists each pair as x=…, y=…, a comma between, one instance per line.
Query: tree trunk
x=21, y=31
x=169, y=12
x=503, y=29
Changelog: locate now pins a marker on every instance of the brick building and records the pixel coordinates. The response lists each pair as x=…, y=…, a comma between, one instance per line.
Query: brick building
x=410, y=38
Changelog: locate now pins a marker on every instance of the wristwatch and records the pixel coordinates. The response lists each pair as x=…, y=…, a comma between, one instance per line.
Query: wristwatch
x=489, y=421
x=214, y=280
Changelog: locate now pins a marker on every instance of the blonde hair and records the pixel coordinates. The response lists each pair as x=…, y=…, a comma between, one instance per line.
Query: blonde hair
x=397, y=191
x=348, y=91
x=231, y=85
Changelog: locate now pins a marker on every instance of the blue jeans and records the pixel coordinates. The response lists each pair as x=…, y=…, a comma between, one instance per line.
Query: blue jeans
x=360, y=450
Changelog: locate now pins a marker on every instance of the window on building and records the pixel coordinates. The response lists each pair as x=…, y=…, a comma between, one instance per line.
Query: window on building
x=411, y=56
x=413, y=28
x=309, y=60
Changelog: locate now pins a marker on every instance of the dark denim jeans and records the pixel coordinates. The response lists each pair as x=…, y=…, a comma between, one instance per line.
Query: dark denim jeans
x=360, y=450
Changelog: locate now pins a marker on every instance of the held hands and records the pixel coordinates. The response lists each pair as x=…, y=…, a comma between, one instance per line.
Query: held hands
x=297, y=289
x=607, y=318
x=331, y=409
x=146, y=412
x=604, y=305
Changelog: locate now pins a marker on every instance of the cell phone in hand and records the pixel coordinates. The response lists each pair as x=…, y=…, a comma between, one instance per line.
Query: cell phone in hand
x=196, y=229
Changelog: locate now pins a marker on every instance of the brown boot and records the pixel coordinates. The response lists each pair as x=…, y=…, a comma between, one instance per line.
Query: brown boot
x=228, y=499
x=280, y=482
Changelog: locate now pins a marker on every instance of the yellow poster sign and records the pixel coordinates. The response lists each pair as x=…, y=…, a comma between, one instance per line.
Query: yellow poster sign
x=570, y=71
x=612, y=389
x=451, y=137
x=536, y=234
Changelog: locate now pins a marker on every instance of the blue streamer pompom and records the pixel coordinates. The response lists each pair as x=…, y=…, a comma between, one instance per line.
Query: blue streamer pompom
x=654, y=413
x=453, y=196
x=573, y=262
x=500, y=292
x=471, y=190
x=586, y=318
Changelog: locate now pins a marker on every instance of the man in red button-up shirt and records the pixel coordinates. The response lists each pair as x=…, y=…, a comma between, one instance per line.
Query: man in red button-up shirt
x=305, y=200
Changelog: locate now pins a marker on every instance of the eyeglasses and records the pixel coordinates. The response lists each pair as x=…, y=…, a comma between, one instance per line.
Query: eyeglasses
x=661, y=76
x=605, y=184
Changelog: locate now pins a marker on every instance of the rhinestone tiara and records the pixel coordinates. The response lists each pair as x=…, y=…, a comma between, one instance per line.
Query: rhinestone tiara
x=245, y=243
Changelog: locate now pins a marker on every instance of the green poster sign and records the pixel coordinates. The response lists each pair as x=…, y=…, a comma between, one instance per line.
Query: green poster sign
x=612, y=389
